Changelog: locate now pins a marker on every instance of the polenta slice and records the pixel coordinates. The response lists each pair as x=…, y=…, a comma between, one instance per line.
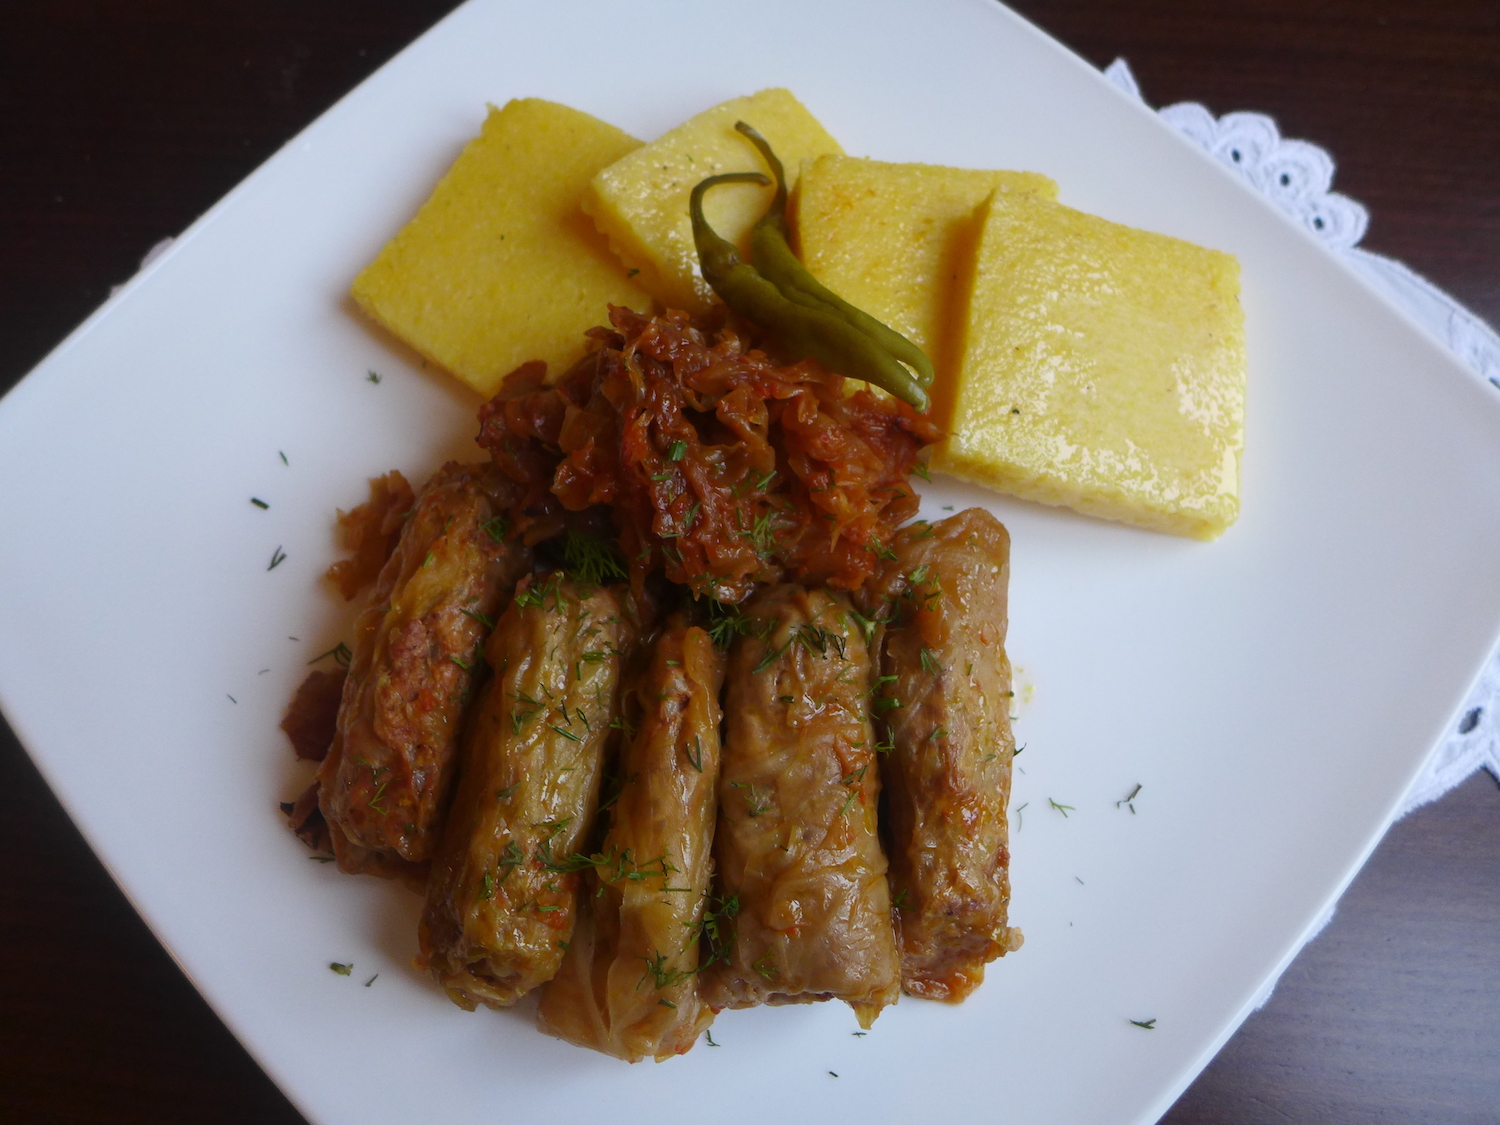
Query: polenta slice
x=500, y=266
x=895, y=239
x=1102, y=369
x=641, y=201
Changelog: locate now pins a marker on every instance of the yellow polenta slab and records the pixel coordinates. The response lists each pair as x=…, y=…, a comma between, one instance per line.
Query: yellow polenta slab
x=1102, y=369
x=500, y=266
x=897, y=239
x=641, y=201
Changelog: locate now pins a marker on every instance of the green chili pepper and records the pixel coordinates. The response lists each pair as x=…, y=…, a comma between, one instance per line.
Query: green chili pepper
x=808, y=331
x=771, y=253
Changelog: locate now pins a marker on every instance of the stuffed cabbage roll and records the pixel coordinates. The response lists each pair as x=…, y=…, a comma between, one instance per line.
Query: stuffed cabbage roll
x=385, y=783
x=946, y=697
x=797, y=848
x=628, y=984
x=501, y=897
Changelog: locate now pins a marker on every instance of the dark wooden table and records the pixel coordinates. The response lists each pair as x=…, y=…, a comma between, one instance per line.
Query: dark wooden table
x=122, y=121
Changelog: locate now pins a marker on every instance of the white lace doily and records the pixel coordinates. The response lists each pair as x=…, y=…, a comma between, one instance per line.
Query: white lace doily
x=1298, y=177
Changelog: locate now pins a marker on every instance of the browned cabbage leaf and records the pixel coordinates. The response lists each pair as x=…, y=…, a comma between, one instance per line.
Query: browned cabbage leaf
x=796, y=844
x=628, y=985
x=946, y=697
x=501, y=899
x=385, y=783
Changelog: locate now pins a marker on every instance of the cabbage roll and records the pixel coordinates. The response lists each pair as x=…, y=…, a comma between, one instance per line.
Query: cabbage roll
x=628, y=984
x=946, y=697
x=797, y=848
x=501, y=897
x=386, y=781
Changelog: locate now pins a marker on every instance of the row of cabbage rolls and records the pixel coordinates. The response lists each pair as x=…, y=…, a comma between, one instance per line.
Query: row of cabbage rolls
x=651, y=828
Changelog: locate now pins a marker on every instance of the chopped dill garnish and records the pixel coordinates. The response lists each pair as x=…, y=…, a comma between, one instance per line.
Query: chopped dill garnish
x=475, y=615
x=341, y=969
x=1064, y=809
x=509, y=860
x=569, y=735
x=900, y=901
x=766, y=968
x=373, y=376
x=278, y=557
x=322, y=858
x=754, y=803
x=762, y=534
x=371, y=980
x=677, y=451
x=716, y=927
x=1149, y=1025
x=708, y=1036
x=497, y=528
x=921, y=470
x=593, y=559
x=867, y=625
x=282, y=455
x=1128, y=800
x=929, y=662
x=696, y=759
x=660, y=974
x=725, y=622
x=507, y=793
x=815, y=638
x=772, y=654
x=1020, y=820
x=535, y=595
x=258, y=502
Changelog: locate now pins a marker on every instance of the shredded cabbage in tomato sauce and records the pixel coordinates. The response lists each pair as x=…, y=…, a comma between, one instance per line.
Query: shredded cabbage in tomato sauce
x=719, y=467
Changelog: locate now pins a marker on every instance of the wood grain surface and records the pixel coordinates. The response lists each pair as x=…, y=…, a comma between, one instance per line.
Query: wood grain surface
x=121, y=122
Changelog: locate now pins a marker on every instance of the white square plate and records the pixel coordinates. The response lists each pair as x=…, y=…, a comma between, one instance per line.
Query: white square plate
x=1273, y=693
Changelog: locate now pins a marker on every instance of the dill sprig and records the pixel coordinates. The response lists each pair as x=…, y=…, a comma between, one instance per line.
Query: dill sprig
x=497, y=528
x=340, y=653
x=592, y=559
x=725, y=622
x=661, y=974
x=716, y=928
